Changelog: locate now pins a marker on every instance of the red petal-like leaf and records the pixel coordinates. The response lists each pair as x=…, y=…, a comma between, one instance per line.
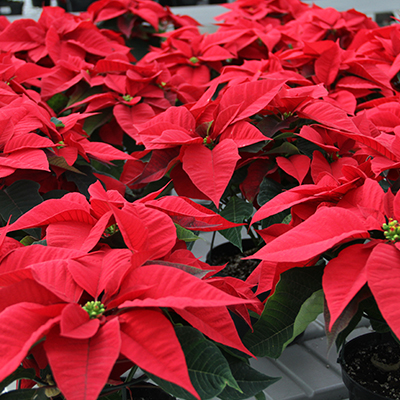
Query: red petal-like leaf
x=190, y=214
x=22, y=325
x=327, y=228
x=211, y=170
x=76, y=324
x=384, y=280
x=162, y=355
x=296, y=166
x=327, y=65
x=81, y=367
x=348, y=268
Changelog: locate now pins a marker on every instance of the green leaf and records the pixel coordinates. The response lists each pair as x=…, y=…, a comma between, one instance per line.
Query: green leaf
x=82, y=180
x=95, y=121
x=19, y=198
x=27, y=240
x=285, y=148
x=260, y=396
x=19, y=373
x=309, y=311
x=237, y=210
x=25, y=394
x=275, y=327
x=268, y=190
x=82, y=91
x=208, y=369
x=250, y=381
x=58, y=102
x=57, y=122
x=55, y=194
x=114, y=170
x=185, y=234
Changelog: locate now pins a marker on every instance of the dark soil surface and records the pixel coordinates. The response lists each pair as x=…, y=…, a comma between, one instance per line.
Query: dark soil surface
x=377, y=368
x=236, y=267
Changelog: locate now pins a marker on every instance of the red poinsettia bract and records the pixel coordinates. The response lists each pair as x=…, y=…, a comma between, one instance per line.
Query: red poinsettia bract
x=93, y=304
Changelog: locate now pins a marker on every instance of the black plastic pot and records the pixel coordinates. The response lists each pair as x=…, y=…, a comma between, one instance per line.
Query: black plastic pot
x=363, y=345
x=40, y=3
x=11, y=7
x=75, y=5
x=150, y=393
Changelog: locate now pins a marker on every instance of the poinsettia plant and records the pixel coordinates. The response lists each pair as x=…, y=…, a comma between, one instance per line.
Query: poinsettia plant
x=126, y=134
x=100, y=279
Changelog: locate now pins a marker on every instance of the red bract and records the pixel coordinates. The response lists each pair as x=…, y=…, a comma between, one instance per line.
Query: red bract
x=360, y=212
x=141, y=10
x=107, y=303
x=258, y=10
x=189, y=58
x=209, y=137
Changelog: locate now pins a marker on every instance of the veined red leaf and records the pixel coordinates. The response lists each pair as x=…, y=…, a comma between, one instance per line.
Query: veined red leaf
x=190, y=214
x=23, y=159
x=163, y=355
x=104, y=151
x=211, y=170
x=254, y=96
x=55, y=276
x=23, y=324
x=81, y=367
x=297, y=195
x=173, y=287
x=75, y=323
x=243, y=134
x=296, y=165
x=24, y=291
x=146, y=230
x=383, y=274
x=327, y=65
x=329, y=115
x=68, y=234
x=311, y=134
x=54, y=210
x=217, y=324
x=350, y=268
x=327, y=228
x=27, y=141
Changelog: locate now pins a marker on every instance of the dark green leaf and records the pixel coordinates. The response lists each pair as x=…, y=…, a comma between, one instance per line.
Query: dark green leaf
x=58, y=102
x=208, y=369
x=286, y=149
x=82, y=91
x=279, y=218
x=260, y=396
x=19, y=373
x=54, y=194
x=275, y=328
x=237, y=210
x=82, y=180
x=19, y=198
x=25, y=394
x=307, y=147
x=250, y=381
x=95, y=121
x=268, y=190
